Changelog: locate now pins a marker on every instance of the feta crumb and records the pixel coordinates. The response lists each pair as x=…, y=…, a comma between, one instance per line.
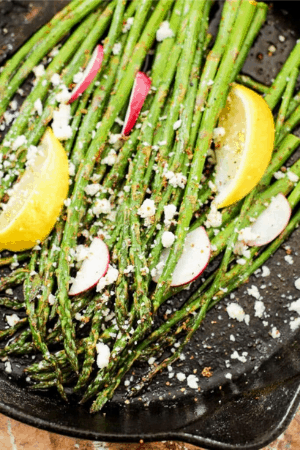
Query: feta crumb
x=92, y=189
x=295, y=306
x=51, y=299
x=274, y=333
x=21, y=140
x=101, y=207
x=278, y=175
x=242, y=358
x=214, y=217
x=177, y=124
x=228, y=376
x=110, y=277
x=7, y=365
x=128, y=269
x=175, y=179
x=169, y=211
x=128, y=25
x=289, y=259
x=254, y=292
x=114, y=138
x=55, y=79
x=292, y=176
x=110, y=158
x=151, y=361
x=78, y=77
x=218, y=132
x=164, y=31
x=192, y=381
x=147, y=208
x=167, y=239
x=60, y=125
x=71, y=169
x=210, y=82
x=12, y=320
x=64, y=95
x=266, y=272
x=180, y=376
x=39, y=71
x=259, y=308
x=295, y=324
x=235, y=311
x=103, y=354
x=117, y=48
x=38, y=106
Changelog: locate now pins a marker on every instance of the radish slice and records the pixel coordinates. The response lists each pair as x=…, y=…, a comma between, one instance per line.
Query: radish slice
x=271, y=222
x=139, y=92
x=93, y=267
x=89, y=74
x=193, y=261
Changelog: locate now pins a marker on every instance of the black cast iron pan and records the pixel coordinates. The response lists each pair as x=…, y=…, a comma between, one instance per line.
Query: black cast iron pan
x=246, y=411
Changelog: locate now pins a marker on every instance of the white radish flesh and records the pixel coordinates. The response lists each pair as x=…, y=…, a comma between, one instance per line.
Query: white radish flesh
x=89, y=74
x=93, y=267
x=193, y=261
x=271, y=222
x=139, y=92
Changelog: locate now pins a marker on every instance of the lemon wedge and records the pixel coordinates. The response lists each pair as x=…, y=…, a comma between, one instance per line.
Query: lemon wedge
x=36, y=201
x=244, y=146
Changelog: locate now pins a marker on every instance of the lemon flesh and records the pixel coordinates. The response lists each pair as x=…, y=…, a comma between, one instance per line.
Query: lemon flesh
x=244, y=151
x=36, y=201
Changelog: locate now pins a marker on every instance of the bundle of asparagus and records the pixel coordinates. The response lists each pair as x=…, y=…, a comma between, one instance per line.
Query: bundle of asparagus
x=118, y=180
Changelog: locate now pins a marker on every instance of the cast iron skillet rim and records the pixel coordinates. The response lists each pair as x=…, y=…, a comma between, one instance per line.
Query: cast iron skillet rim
x=173, y=436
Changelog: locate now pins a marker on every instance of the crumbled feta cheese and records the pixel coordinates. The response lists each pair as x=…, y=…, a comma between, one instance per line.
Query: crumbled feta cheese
x=78, y=77
x=38, y=106
x=228, y=376
x=180, y=376
x=114, y=138
x=39, y=71
x=164, y=31
x=218, y=132
x=92, y=189
x=259, y=308
x=14, y=105
x=129, y=269
x=55, y=79
x=265, y=271
x=242, y=358
x=64, y=95
x=151, y=360
x=12, y=320
x=101, y=207
x=60, y=125
x=278, y=175
x=103, y=354
x=51, y=299
x=192, y=381
x=147, y=208
x=275, y=333
x=117, y=48
x=295, y=324
x=295, y=306
x=128, y=24
x=246, y=234
x=289, y=259
x=110, y=158
x=214, y=217
x=169, y=211
x=281, y=38
x=210, y=82
x=167, y=239
x=292, y=176
x=175, y=179
x=110, y=277
x=81, y=253
x=235, y=311
x=71, y=169
x=7, y=366
x=254, y=292
x=21, y=140
x=177, y=124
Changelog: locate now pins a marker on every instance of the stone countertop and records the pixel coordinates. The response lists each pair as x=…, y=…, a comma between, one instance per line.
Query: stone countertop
x=16, y=436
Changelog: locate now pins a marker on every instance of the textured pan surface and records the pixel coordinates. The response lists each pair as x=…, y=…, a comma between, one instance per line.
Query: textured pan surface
x=244, y=412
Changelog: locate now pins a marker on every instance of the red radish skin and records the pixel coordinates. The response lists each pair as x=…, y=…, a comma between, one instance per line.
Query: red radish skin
x=271, y=222
x=139, y=92
x=193, y=261
x=89, y=74
x=93, y=268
